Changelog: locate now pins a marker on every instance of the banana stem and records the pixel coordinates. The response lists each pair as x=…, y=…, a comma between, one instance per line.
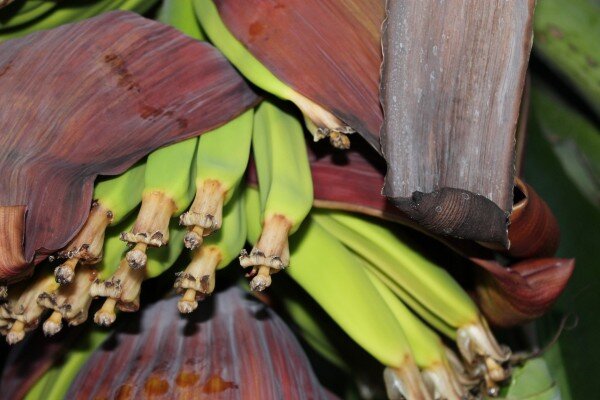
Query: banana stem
x=16, y=332
x=65, y=272
x=53, y=324
x=137, y=258
x=188, y=302
x=106, y=316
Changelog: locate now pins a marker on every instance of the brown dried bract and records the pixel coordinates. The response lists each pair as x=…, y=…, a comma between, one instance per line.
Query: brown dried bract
x=93, y=98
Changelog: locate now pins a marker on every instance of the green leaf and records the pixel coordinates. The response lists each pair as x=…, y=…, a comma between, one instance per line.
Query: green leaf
x=532, y=381
x=580, y=238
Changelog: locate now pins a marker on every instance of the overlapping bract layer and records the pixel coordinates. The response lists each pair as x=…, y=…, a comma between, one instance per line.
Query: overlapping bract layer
x=78, y=103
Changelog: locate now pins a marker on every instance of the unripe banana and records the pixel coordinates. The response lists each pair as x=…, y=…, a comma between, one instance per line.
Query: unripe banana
x=114, y=199
x=219, y=249
x=221, y=160
x=180, y=14
x=426, y=346
x=21, y=312
x=428, y=284
x=320, y=122
x=338, y=282
x=285, y=186
x=168, y=191
x=122, y=289
x=26, y=14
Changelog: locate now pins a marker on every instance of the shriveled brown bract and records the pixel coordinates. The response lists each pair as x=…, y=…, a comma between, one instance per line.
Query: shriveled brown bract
x=327, y=50
x=452, y=79
x=92, y=98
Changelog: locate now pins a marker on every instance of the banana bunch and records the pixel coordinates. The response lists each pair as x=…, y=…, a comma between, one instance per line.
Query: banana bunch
x=285, y=187
x=27, y=16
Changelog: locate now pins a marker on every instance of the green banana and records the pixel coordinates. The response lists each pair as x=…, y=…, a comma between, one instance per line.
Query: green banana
x=428, y=284
x=122, y=288
x=426, y=346
x=320, y=122
x=114, y=199
x=285, y=186
x=219, y=249
x=55, y=383
x=221, y=160
x=30, y=11
x=180, y=14
x=21, y=312
x=168, y=190
x=339, y=283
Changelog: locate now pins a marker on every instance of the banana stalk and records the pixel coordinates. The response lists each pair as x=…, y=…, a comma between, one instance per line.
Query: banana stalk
x=114, y=199
x=286, y=191
x=427, y=283
x=198, y=279
x=221, y=160
x=345, y=292
x=122, y=289
x=168, y=191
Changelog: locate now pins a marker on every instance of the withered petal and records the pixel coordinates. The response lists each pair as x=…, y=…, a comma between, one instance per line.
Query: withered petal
x=233, y=344
x=522, y=292
x=93, y=98
x=452, y=78
x=327, y=50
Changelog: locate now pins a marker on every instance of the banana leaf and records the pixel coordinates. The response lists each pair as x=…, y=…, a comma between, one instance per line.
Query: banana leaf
x=452, y=79
x=93, y=98
x=575, y=140
x=531, y=381
x=578, y=355
x=566, y=37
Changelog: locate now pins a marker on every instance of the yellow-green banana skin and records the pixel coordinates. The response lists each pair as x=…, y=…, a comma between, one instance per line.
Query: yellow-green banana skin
x=180, y=14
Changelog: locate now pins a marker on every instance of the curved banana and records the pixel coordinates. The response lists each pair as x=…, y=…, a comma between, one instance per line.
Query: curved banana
x=221, y=160
x=427, y=348
x=219, y=249
x=286, y=191
x=114, y=199
x=168, y=191
x=427, y=283
x=30, y=11
x=320, y=122
x=339, y=283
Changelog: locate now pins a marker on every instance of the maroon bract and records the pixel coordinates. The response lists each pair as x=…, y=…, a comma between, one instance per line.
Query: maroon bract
x=234, y=347
x=327, y=50
x=522, y=292
x=93, y=98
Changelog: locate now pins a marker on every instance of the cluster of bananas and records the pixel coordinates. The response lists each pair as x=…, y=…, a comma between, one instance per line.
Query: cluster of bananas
x=386, y=296
x=26, y=16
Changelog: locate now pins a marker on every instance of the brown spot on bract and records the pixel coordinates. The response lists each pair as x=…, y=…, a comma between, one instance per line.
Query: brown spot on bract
x=573, y=48
x=555, y=32
x=216, y=384
x=256, y=29
x=591, y=62
x=156, y=386
x=147, y=111
x=5, y=68
x=124, y=392
x=185, y=379
x=182, y=123
x=119, y=67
